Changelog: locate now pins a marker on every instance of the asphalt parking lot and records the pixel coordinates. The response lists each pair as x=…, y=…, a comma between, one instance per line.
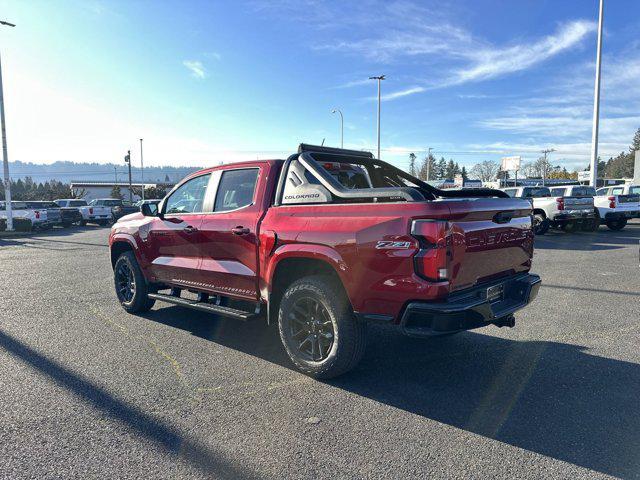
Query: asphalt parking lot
x=88, y=391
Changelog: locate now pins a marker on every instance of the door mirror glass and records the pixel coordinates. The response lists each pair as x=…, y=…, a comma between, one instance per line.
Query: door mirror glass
x=149, y=209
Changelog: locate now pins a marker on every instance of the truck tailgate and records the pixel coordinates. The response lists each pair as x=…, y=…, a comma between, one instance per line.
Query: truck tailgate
x=490, y=238
x=581, y=204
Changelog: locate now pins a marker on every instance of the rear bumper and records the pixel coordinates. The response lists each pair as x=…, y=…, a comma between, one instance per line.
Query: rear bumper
x=473, y=308
x=614, y=216
x=574, y=215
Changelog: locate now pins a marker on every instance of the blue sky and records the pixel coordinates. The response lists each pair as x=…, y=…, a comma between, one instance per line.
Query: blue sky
x=205, y=82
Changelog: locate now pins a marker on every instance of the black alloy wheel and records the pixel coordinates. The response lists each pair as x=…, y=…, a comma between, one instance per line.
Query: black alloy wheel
x=125, y=282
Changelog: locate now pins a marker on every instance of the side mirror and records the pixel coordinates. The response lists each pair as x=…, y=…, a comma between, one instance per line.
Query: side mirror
x=149, y=209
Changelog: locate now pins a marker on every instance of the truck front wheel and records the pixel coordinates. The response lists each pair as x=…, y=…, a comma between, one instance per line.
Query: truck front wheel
x=318, y=329
x=540, y=224
x=131, y=287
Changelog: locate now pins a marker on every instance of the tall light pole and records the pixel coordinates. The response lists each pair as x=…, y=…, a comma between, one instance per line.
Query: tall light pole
x=127, y=159
x=593, y=174
x=115, y=174
x=141, y=169
x=341, y=126
x=545, y=152
x=5, y=154
x=379, y=78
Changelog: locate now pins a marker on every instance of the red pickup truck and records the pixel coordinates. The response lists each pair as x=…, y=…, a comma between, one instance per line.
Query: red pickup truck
x=323, y=243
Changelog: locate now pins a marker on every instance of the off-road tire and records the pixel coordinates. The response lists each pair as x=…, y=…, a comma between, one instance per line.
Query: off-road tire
x=140, y=301
x=569, y=227
x=617, y=224
x=349, y=333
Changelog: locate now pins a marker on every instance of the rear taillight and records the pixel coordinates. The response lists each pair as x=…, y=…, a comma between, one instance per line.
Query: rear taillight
x=612, y=202
x=37, y=214
x=560, y=203
x=91, y=211
x=431, y=261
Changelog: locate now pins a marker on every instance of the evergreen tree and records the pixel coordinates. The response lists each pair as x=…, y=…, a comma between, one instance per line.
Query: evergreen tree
x=441, y=169
x=412, y=164
x=464, y=173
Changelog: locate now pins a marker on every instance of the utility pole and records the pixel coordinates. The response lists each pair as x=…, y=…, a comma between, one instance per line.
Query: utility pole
x=115, y=174
x=379, y=78
x=545, y=152
x=429, y=163
x=593, y=174
x=341, y=126
x=127, y=159
x=141, y=169
x=5, y=154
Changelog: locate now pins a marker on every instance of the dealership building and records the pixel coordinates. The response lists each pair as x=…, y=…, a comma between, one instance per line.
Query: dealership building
x=90, y=190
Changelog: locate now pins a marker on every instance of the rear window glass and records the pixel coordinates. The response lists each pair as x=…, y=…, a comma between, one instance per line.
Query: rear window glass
x=511, y=192
x=583, y=192
x=557, y=192
x=77, y=203
x=536, y=192
x=634, y=189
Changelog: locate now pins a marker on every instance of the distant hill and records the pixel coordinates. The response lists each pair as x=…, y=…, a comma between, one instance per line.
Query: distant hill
x=67, y=171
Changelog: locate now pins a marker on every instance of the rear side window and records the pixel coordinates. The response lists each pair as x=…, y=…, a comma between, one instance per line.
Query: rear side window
x=634, y=189
x=236, y=189
x=558, y=192
x=617, y=191
x=189, y=197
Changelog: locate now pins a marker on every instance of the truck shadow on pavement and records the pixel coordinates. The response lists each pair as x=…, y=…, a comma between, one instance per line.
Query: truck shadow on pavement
x=159, y=433
x=550, y=398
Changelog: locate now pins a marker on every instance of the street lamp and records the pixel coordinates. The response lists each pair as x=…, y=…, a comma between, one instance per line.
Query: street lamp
x=545, y=152
x=341, y=126
x=141, y=169
x=379, y=78
x=5, y=154
x=593, y=174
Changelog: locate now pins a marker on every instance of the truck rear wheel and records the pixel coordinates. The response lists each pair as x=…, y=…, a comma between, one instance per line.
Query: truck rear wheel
x=540, y=224
x=590, y=225
x=617, y=224
x=131, y=287
x=318, y=329
x=569, y=227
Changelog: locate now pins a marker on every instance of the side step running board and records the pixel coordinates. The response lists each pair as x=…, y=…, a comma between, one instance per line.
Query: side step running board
x=205, y=307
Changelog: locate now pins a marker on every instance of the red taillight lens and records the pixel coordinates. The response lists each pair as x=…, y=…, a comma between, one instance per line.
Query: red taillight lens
x=560, y=203
x=612, y=202
x=432, y=260
x=91, y=211
x=37, y=214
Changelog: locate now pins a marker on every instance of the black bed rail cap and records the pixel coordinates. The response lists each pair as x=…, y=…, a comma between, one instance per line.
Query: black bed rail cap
x=304, y=147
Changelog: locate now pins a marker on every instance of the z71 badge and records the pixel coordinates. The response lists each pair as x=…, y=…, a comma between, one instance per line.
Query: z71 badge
x=390, y=244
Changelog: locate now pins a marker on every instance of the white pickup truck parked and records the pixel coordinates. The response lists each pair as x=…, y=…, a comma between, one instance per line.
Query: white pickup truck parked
x=585, y=191
x=562, y=212
x=615, y=205
x=90, y=213
x=19, y=209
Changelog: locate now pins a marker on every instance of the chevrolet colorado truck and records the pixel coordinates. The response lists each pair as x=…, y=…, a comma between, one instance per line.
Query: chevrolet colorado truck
x=615, y=205
x=323, y=243
x=566, y=213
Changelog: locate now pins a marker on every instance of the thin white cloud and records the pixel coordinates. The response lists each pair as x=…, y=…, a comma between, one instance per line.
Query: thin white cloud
x=402, y=93
x=196, y=68
x=354, y=83
x=493, y=62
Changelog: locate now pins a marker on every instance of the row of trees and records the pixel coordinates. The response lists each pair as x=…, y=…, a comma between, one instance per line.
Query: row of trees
x=27, y=189
x=620, y=166
x=156, y=192
x=432, y=169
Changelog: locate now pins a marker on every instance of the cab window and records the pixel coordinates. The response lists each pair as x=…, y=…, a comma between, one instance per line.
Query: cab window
x=188, y=197
x=236, y=189
x=557, y=192
x=617, y=191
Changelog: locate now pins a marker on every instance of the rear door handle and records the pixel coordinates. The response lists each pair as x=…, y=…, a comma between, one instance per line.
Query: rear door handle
x=189, y=229
x=240, y=230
